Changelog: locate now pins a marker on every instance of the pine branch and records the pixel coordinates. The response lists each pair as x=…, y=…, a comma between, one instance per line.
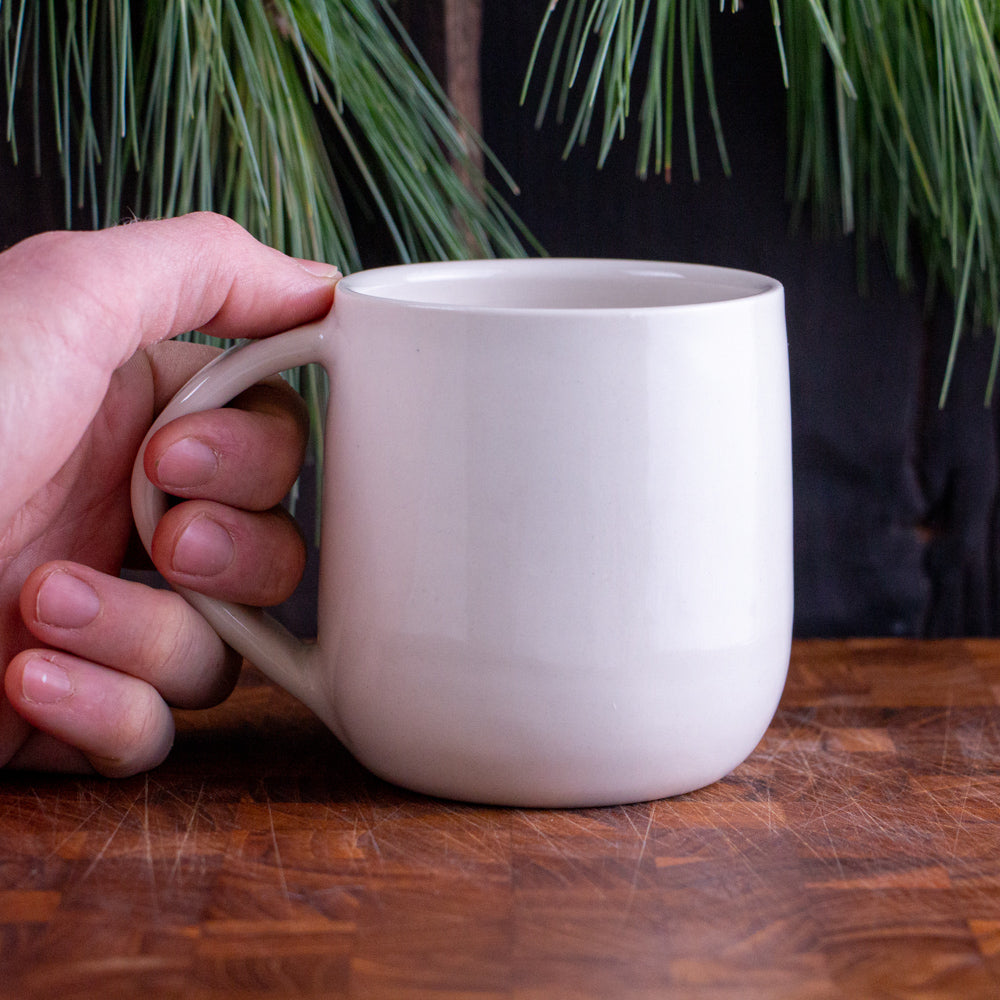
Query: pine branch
x=295, y=118
x=893, y=117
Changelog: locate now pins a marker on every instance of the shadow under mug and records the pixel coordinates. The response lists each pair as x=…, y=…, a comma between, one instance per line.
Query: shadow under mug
x=556, y=554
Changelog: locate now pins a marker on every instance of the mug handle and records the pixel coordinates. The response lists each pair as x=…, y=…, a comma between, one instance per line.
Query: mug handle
x=250, y=631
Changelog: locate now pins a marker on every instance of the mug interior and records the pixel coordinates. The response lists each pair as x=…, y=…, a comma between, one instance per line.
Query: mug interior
x=557, y=284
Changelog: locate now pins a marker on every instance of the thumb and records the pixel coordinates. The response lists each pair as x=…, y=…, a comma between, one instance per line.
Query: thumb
x=78, y=305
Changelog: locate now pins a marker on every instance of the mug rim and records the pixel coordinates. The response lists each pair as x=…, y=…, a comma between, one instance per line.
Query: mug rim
x=388, y=284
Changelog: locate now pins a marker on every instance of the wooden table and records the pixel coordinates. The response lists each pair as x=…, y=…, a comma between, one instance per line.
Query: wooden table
x=855, y=855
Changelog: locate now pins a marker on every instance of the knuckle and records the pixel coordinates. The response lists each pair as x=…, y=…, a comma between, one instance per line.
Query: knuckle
x=188, y=664
x=143, y=737
x=168, y=641
x=285, y=563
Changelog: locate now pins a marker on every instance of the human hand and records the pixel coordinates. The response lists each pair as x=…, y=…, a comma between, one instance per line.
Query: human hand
x=93, y=661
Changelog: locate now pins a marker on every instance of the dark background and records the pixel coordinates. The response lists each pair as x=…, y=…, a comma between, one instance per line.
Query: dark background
x=895, y=500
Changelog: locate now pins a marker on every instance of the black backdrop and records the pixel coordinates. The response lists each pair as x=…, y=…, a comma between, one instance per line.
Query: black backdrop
x=895, y=501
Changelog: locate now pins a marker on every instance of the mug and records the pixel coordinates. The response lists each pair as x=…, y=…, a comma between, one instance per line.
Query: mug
x=556, y=544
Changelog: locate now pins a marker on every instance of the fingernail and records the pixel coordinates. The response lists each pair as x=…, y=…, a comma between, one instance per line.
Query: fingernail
x=44, y=683
x=320, y=269
x=186, y=463
x=205, y=548
x=65, y=601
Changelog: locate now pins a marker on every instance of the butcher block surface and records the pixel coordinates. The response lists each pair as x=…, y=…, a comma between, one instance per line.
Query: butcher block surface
x=856, y=854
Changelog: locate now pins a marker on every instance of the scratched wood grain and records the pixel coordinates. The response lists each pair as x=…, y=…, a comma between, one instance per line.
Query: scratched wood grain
x=856, y=854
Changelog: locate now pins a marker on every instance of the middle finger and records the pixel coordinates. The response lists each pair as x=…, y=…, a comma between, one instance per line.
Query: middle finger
x=247, y=455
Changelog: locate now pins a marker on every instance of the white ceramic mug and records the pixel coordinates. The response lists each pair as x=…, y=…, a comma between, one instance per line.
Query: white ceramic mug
x=556, y=557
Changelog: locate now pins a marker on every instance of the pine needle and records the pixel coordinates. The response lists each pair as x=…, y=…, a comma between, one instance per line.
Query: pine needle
x=266, y=112
x=893, y=119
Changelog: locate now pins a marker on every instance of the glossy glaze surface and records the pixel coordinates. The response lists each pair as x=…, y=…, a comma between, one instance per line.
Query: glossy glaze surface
x=557, y=533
